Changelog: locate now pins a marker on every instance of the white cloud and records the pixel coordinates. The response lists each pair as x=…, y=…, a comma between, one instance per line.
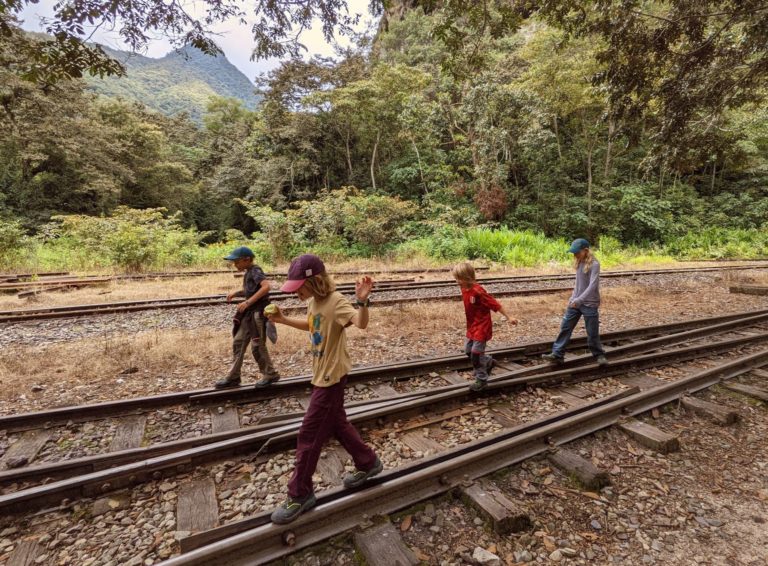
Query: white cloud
x=234, y=39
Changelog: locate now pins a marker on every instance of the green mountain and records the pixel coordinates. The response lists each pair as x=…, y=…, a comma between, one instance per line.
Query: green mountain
x=182, y=81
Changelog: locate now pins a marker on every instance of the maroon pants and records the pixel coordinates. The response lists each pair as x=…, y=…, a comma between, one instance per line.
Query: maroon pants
x=325, y=418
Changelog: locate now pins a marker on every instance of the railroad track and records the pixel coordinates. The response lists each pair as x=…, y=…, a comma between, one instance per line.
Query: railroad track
x=382, y=286
x=411, y=398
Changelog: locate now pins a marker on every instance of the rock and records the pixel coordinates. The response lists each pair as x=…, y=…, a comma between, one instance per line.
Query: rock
x=37, y=388
x=483, y=557
x=595, y=524
x=478, y=521
x=568, y=551
x=129, y=370
x=523, y=556
x=556, y=556
x=429, y=510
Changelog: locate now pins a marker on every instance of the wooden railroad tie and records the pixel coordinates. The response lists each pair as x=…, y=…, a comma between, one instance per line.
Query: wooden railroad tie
x=505, y=515
x=756, y=392
x=749, y=289
x=650, y=436
x=382, y=545
x=582, y=469
x=197, y=509
x=25, y=553
x=718, y=413
x=23, y=451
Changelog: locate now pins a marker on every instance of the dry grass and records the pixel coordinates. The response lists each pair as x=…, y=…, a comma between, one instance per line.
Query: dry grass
x=90, y=370
x=223, y=283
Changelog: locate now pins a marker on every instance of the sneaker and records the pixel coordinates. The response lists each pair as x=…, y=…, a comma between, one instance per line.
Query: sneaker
x=360, y=477
x=227, y=382
x=266, y=382
x=292, y=508
x=478, y=385
x=553, y=359
x=602, y=361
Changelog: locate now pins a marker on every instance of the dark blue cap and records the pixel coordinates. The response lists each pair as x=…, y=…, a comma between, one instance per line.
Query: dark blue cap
x=240, y=253
x=578, y=245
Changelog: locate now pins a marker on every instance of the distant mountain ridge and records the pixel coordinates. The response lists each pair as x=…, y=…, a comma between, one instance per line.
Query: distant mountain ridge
x=180, y=81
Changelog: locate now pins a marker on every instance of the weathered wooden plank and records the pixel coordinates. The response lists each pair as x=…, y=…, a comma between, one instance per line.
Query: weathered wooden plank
x=583, y=470
x=718, y=413
x=25, y=553
x=650, y=436
x=568, y=399
x=507, y=366
x=224, y=419
x=453, y=378
x=504, y=515
x=330, y=466
x=759, y=373
x=417, y=442
x=382, y=545
x=504, y=416
x=749, y=289
x=197, y=508
x=23, y=451
x=129, y=433
x=755, y=392
x=642, y=381
x=383, y=390
x=576, y=391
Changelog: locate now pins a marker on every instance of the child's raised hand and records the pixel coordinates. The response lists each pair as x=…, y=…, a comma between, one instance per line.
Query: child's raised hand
x=273, y=313
x=363, y=287
x=512, y=321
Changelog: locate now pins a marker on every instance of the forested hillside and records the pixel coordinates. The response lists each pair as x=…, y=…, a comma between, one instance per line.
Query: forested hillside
x=181, y=81
x=426, y=136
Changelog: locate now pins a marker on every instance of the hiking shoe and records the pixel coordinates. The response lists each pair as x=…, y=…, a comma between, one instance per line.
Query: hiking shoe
x=291, y=508
x=266, y=382
x=227, y=382
x=602, y=361
x=553, y=359
x=478, y=385
x=360, y=477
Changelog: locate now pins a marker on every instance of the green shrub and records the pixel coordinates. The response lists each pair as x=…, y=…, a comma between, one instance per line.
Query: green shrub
x=131, y=239
x=720, y=243
x=14, y=244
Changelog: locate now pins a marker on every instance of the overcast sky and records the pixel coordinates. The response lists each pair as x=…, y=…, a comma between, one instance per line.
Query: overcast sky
x=235, y=40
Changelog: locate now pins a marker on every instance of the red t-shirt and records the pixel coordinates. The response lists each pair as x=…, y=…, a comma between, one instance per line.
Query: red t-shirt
x=478, y=305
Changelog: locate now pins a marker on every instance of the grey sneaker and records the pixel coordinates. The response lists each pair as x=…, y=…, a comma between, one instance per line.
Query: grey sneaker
x=553, y=359
x=360, y=477
x=227, y=382
x=266, y=382
x=602, y=361
x=291, y=508
x=478, y=385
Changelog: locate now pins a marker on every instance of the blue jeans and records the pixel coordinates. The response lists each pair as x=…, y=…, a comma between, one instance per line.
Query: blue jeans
x=570, y=319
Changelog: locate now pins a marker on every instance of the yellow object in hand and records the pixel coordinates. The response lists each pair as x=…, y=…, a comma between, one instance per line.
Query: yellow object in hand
x=271, y=309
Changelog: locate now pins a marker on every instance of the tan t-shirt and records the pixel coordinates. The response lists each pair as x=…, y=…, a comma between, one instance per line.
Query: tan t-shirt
x=327, y=319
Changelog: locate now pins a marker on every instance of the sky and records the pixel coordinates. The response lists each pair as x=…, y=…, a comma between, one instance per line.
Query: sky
x=234, y=39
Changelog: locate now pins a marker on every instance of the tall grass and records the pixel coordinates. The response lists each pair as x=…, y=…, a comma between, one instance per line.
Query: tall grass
x=721, y=243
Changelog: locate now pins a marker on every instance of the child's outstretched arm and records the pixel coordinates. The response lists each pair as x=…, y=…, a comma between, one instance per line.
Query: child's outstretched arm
x=274, y=314
x=504, y=313
x=363, y=287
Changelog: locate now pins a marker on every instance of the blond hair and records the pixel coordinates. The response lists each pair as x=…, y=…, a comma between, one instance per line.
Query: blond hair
x=585, y=262
x=464, y=272
x=320, y=285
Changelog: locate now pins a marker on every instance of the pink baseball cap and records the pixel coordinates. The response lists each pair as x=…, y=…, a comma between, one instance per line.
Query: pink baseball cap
x=301, y=269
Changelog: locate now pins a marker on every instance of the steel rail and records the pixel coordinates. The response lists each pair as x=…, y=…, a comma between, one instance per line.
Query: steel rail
x=209, y=300
x=23, y=421
x=520, y=377
x=339, y=511
x=281, y=437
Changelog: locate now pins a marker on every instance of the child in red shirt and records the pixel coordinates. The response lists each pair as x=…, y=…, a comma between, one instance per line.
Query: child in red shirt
x=478, y=305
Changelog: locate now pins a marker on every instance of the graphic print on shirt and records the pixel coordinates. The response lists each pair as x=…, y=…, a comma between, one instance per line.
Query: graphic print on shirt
x=316, y=337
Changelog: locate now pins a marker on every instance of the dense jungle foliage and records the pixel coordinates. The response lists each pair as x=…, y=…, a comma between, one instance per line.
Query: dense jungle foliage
x=408, y=143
